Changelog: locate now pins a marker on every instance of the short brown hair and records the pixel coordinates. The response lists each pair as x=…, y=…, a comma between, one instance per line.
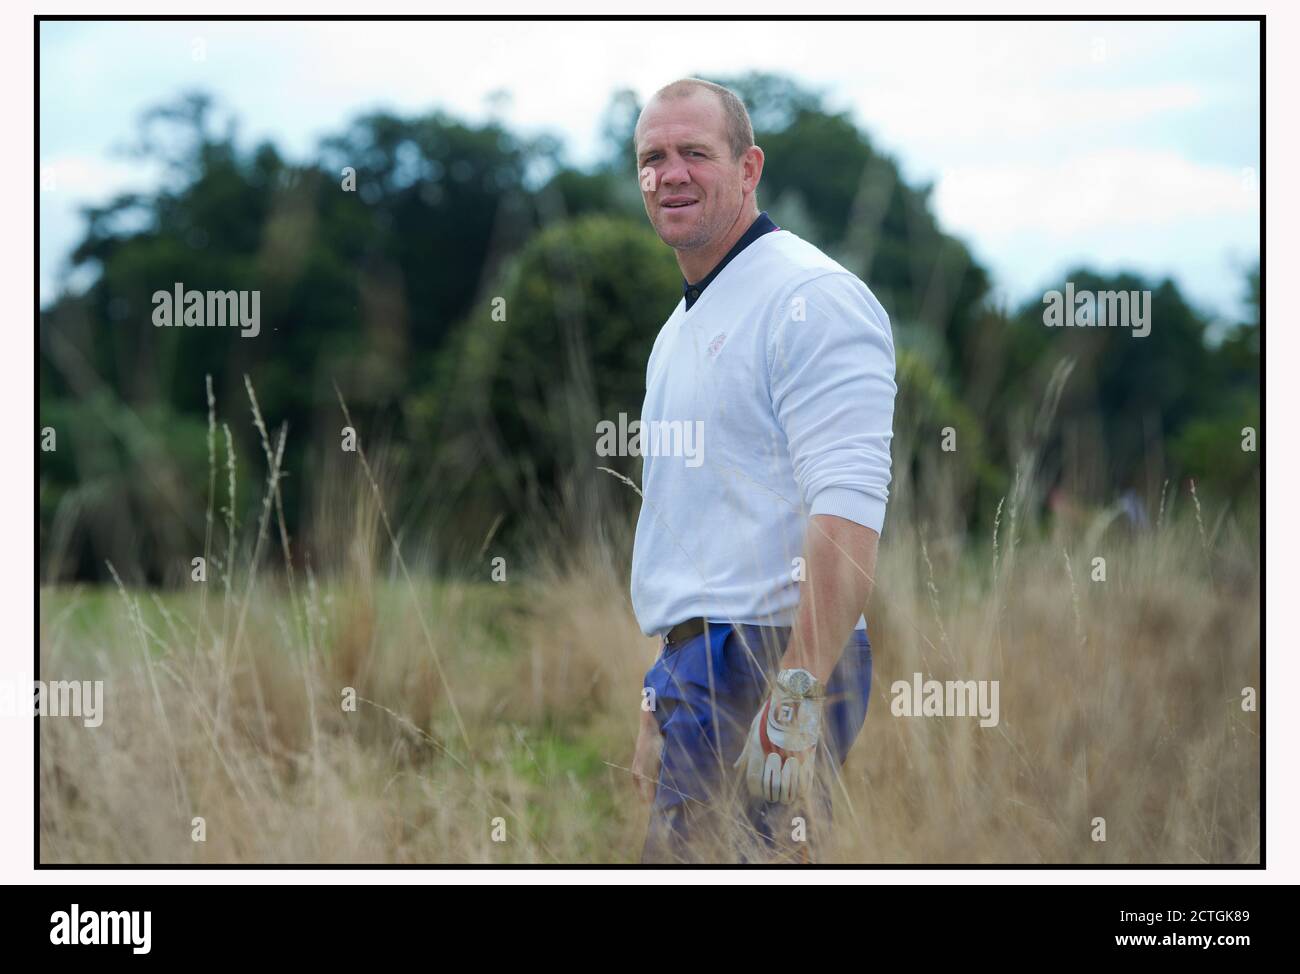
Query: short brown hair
x=739, y=129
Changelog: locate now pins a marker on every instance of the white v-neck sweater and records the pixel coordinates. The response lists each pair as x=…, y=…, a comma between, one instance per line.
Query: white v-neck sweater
x=770, y=400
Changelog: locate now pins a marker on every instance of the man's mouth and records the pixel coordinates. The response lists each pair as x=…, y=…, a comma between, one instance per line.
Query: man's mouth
x=678, y=204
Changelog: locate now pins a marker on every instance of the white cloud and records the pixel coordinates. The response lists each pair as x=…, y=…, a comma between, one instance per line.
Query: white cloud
x=1110, y=189
x=1080, y=137
x=944, y=110
x=92, y=178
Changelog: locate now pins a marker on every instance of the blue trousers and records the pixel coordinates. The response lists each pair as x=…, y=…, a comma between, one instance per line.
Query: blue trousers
x=706, y=693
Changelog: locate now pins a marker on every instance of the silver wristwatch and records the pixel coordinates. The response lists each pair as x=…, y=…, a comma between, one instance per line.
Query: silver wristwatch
x=800, y=683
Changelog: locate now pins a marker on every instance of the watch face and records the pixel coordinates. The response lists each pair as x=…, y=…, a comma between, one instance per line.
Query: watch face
x=799, y=682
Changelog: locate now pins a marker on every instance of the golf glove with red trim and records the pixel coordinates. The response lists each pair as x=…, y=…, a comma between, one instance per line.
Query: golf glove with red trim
x=780, y=752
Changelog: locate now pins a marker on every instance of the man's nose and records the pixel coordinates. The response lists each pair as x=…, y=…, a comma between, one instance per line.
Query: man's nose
x=675, y=172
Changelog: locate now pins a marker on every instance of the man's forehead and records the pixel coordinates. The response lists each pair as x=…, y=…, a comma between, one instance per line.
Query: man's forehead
x=687, y=119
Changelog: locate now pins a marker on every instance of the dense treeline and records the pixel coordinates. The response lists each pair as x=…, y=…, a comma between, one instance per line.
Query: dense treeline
x=481, y=304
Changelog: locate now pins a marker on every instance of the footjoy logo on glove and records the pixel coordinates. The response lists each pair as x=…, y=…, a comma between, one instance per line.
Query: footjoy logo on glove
x=105, y=927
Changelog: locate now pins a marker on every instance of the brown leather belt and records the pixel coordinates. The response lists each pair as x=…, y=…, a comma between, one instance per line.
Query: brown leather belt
x=771, y=639
x=691, y=628
x=684, y=631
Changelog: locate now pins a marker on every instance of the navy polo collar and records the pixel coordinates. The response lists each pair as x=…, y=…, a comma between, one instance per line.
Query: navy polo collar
x=761, y=225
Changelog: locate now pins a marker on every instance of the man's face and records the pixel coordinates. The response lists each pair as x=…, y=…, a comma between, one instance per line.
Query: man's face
x=692, y=189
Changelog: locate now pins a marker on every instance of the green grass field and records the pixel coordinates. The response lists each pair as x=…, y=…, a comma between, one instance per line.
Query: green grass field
x=490, y=705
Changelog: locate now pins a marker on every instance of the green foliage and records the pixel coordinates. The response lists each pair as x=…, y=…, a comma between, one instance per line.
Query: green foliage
x=132, y=477
x=388, y=292
x=516, y=402
x=1138, y=410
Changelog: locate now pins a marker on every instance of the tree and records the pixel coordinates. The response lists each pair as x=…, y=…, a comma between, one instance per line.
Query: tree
x=514, y=409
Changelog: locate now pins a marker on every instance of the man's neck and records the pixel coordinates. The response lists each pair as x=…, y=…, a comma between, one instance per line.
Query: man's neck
x=696, y=264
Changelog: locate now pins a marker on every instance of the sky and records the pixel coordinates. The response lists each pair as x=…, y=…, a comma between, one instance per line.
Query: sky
x=1116, y=145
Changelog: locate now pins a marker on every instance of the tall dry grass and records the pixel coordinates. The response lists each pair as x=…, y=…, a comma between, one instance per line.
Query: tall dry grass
x=485, y=706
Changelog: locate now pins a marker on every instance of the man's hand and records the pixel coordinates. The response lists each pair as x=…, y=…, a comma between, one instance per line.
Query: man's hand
x=649, y=752
x=780, y=753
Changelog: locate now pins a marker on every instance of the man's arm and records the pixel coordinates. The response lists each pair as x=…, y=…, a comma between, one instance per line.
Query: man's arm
x=831, y=371
x=839, y=571
x=831, y=377
x=647, y=756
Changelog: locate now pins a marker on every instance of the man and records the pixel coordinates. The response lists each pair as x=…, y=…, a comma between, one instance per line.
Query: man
x=755, y=553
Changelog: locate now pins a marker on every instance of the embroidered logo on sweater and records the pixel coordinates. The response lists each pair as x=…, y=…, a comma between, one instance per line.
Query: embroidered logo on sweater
x=715, y=346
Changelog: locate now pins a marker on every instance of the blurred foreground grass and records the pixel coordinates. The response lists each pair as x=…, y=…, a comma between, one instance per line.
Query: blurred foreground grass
x=1119, y=700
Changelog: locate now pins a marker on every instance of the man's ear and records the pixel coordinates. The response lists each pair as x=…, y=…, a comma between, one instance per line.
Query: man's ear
x=753, y=168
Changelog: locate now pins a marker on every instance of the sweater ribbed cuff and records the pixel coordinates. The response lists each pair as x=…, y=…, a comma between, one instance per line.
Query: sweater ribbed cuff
x=852, y=505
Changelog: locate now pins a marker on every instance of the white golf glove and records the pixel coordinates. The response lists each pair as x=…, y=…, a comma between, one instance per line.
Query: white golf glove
x=781, y=749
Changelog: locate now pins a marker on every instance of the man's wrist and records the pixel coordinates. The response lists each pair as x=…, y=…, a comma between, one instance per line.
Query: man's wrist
x=799, y=682
x=799, y=657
